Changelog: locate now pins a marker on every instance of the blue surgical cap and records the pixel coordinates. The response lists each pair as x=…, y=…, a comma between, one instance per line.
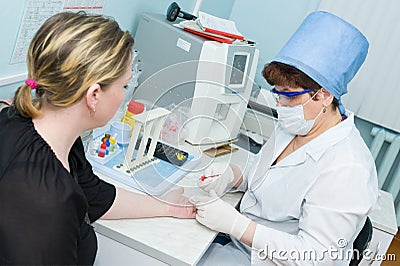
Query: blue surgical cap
x=327, y=49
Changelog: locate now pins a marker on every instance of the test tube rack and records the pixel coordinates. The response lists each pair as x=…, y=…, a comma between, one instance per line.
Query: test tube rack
x=148, y=125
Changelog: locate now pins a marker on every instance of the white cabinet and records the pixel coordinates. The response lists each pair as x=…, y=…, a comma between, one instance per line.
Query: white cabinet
x=384, y=228
x=111, y=252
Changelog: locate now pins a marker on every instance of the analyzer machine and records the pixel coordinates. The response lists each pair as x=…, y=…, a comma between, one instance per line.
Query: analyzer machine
x=214, y=80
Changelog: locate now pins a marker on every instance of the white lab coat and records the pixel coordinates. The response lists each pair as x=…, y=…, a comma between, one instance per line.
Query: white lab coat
x=314, y=200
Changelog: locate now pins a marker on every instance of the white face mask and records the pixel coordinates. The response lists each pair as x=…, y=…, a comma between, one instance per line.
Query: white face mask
x=292, y=118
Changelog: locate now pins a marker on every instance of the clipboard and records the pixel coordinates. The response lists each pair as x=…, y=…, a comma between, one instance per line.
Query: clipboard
x=210, y=36
x=220, y=26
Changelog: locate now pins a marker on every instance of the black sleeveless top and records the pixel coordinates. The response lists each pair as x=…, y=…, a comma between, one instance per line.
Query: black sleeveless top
x=42, y=205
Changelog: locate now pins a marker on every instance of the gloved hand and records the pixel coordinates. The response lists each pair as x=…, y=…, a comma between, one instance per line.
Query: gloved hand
x=220, y=183
x=219, y=215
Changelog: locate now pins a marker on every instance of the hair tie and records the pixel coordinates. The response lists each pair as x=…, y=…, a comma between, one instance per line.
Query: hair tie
x=31, y=83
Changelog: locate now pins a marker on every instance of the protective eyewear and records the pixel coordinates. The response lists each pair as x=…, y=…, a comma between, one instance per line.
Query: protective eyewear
x=285, y=97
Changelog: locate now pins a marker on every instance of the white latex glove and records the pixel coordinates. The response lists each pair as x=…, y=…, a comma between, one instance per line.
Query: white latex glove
x=220, y=183
x=219, y=215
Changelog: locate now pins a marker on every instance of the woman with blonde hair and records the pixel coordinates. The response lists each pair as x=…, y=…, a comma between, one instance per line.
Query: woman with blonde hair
x=78, y=65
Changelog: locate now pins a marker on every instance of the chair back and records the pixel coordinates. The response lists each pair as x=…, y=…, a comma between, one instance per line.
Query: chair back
x=361, y=242
x=4, y=103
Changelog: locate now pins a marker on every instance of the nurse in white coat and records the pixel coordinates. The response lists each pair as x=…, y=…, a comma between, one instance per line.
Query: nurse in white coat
x=310, y=188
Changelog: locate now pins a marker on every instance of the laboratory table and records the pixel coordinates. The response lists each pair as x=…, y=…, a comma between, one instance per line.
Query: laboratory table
x=172, y=241
x=161, y=240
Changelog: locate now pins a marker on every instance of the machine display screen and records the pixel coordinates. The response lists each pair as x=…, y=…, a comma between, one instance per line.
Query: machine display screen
x=238, y=69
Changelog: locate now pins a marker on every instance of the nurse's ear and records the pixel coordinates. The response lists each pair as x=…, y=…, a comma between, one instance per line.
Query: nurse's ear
x=92, y=97
x=326, y=97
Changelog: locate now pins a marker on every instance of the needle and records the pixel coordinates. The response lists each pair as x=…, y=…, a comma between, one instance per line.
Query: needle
x=203, y=177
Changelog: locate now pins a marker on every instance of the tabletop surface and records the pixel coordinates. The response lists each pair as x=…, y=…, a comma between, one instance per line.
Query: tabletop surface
x=165, y=238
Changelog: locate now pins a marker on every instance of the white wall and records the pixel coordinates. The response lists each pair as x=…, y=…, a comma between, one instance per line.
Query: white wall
x=374, y=92
x=270, y=23
x=126, y=12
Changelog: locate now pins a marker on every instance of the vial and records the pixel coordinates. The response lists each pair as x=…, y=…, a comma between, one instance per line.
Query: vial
x=133, y=109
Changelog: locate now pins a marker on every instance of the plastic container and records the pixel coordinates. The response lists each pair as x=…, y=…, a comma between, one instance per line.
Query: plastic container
x=121, y=131
x=87, y=138
x=134, y=108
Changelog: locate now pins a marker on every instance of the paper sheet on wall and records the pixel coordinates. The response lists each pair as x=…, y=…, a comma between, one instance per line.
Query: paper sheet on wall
x=37, y=11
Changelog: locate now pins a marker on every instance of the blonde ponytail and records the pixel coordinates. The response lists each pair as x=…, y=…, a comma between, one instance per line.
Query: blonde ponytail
x=23, y=102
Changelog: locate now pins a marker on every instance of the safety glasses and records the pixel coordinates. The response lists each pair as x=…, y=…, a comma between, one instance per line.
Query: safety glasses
x=286, y=97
